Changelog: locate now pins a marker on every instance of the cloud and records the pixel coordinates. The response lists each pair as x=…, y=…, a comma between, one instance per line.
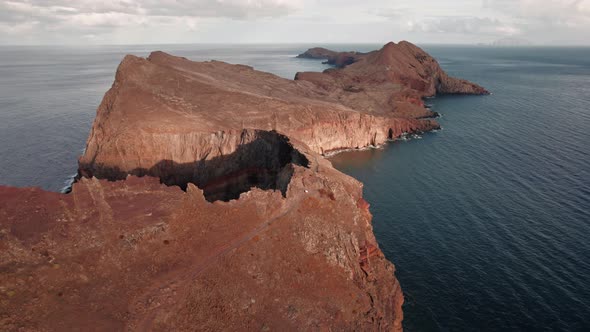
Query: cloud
x=544, y=21
x=94, y=16
x=152, y=21
x=390, y=13
x=538, y=13
x=431, y=18
x=237, y=9
x=195, y=8
x=463, y=25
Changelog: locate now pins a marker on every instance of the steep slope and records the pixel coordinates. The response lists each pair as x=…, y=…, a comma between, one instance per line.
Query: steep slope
x=140, y=256
x=390, y=82
x=165, y=109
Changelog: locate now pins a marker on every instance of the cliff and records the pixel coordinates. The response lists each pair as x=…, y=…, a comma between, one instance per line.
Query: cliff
x=204, y=201
x=166, y=108
x=390, y=82
x=138, y=255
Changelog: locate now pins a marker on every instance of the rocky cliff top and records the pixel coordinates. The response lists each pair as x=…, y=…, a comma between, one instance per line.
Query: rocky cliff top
x=391, y=81
x=204, y=201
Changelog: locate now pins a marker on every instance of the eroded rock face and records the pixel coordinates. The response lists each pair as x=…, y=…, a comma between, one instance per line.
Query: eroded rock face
x=266, y=234
x=259, y=158
x=389, y=82
x=167, y=108
x=138, y=255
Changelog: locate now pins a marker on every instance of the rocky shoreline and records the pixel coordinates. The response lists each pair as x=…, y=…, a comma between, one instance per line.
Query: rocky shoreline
x=204, y=201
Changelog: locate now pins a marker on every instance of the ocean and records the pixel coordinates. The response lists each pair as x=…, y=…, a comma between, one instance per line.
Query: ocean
x=486, y=220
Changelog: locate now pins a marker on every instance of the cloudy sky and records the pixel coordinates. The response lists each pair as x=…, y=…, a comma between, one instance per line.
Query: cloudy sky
x=292, y=21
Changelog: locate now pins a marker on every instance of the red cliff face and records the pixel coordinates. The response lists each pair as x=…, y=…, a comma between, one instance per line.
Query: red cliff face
x=170, y=108
x=255, y=230
x=389, y=82
x=138, y=255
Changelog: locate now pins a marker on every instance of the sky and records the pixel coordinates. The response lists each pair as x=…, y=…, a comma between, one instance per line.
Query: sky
x=540, y=22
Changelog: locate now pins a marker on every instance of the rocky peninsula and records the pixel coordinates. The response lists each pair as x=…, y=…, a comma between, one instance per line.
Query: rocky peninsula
x=204, y=201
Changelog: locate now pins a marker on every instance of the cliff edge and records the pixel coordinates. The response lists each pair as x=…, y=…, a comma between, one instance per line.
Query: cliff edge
x=391, y=81
x=204, y=201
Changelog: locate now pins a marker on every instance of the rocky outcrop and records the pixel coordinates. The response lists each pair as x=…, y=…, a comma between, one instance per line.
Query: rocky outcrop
x=204, y=202
x=242, y=159
x=337, y=59
x=141, y=256
x=318, y=53
x=390, y=82
x=165, y=110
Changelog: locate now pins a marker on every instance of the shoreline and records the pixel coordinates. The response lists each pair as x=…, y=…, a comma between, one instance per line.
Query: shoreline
x=406, y=137
x=256, y=158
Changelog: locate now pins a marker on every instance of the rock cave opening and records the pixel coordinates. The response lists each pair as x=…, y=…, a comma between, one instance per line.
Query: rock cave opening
x=265, y=162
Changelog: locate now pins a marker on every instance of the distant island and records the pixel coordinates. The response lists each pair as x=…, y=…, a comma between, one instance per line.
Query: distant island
x=204, y=200
x=511, y=42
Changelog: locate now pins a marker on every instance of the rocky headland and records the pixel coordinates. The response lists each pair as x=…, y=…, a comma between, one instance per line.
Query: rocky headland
x=338, y=59
x=204, y=201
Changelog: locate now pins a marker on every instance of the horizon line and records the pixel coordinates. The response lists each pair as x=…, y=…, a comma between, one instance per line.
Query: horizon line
x=295, y=43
